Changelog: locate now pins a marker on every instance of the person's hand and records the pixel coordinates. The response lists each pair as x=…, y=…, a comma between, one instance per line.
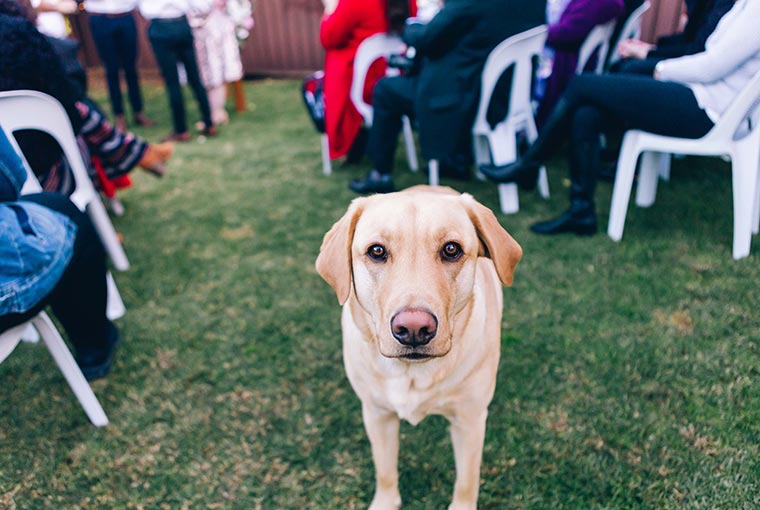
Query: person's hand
x=330, y=6
x=68, y=7
x=633, y=48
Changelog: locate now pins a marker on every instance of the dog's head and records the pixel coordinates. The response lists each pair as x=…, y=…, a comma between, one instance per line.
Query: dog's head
x=410, y=259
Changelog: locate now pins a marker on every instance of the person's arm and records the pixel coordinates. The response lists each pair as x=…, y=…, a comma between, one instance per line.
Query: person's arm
x=444, y=31
x=681, y=46
x=578, y=19
x=338, y=22
x=62, y=6
x=12, y=172
x=737, y=43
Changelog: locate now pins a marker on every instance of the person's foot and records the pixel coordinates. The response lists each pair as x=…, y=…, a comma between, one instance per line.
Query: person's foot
x=209, y=131
x=454, y=172
x=177, y=137
x=576, y=220
x=155, y=158
x=120, y=123
x=524, y=173
x=375, y=182
x=143, y=120
x=96, y=362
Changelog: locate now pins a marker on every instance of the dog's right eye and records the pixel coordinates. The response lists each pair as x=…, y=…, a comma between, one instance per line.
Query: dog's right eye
x=377, y=252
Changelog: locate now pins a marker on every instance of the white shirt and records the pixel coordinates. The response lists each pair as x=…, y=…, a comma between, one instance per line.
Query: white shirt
x=110, y=6
x=730, y=60
x=152, y=9
x=51, y=23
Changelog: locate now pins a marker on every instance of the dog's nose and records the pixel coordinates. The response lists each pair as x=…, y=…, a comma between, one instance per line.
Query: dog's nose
x=414, y=327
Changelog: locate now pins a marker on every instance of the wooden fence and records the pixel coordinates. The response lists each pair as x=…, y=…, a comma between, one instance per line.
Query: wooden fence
x=285, y=39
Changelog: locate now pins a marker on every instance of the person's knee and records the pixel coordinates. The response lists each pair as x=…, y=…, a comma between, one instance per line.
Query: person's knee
x=586, y=123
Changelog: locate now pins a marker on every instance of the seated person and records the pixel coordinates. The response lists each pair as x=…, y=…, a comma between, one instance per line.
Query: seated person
x=30, y=62
x=702, y=16
x=51, y=255
x=345, y=25
x=684, y=99
x=443, y=96
x=564, y=39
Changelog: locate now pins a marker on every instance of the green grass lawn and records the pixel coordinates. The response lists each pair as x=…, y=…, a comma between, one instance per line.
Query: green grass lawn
x=629, y=379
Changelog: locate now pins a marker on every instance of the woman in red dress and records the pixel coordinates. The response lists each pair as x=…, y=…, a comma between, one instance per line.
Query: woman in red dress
x=345, y=24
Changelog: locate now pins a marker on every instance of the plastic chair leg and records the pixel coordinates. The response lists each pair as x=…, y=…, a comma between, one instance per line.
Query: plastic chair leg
x=508, y=198
x=70, y=370
x=411, y=150
x=433, y=174
x=646, y=191
x=744, y=179
x=99, y=216
x=114, y=306
x=326, y=163
x=621, y=191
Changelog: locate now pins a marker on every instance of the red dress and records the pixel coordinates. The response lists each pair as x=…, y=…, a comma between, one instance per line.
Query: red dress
x=341, y=33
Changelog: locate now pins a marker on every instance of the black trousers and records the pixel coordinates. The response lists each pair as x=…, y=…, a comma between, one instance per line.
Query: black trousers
x=172, y=42
x=115, y=39
x=593, y=104
x=392, y=98
x=79, y=298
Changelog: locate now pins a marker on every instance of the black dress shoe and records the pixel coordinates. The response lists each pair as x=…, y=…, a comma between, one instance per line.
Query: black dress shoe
x=374, y=183
x=577, y=221
x=522, y=172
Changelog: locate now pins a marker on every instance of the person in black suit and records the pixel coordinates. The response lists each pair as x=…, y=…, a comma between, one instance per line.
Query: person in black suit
x=443, y=96
x=702, y=18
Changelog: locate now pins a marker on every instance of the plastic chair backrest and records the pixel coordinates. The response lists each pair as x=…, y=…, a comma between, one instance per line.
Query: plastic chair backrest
x=519, y=51
x=597, y=43
x=371, y=49
x=631, y=30
x=741, y=117
x=28, y=109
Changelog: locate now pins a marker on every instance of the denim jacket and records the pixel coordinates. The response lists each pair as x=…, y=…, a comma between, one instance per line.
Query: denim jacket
x=36, y=243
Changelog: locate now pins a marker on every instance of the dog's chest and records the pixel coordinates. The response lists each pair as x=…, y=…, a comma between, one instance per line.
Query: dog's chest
x=413, y=398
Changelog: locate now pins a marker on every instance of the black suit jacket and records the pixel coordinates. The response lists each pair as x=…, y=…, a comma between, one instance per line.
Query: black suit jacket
x=454, y=46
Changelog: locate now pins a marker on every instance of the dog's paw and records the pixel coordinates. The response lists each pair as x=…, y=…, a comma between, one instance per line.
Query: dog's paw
x=385, y=502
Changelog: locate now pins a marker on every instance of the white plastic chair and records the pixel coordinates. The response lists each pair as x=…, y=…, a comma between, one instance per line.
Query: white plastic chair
x=371, y=49
x=63, y=358
x=597, y=43
x=26, y=109
x=631, y=30
x=736, y=134
x=498, y=145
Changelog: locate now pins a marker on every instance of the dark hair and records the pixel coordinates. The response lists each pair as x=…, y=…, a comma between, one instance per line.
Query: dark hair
x=396, y=11
x=18, y=8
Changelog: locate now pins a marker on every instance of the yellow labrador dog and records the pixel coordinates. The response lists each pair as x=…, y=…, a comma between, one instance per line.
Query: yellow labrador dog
x=418, y=274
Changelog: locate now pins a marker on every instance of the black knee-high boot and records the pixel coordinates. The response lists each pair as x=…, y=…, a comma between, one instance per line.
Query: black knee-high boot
x=524, y=171
x=580, y=218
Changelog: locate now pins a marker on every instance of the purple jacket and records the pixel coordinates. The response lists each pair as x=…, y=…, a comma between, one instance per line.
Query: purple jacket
x=566, y=38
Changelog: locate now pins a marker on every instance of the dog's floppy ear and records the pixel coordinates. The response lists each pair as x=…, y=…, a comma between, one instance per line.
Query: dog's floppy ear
x=334, y=260
x=496, y=243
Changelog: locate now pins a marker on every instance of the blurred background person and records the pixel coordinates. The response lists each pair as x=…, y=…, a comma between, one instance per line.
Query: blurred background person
x=569, y=22
x=345, y=24
x=218, y=51
x=114, y=32
x=172, y=40
x=701, y=18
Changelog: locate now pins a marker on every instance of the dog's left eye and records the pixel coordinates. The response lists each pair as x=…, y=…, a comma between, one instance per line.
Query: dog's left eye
x=451, y=251
x=377, y=252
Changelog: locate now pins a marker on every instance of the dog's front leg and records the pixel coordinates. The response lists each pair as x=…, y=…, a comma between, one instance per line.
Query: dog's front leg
x=468, y=432
x=382, y=429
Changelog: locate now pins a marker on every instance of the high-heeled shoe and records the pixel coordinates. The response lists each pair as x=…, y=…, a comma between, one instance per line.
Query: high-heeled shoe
x=523, y=172
x=155, y=156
